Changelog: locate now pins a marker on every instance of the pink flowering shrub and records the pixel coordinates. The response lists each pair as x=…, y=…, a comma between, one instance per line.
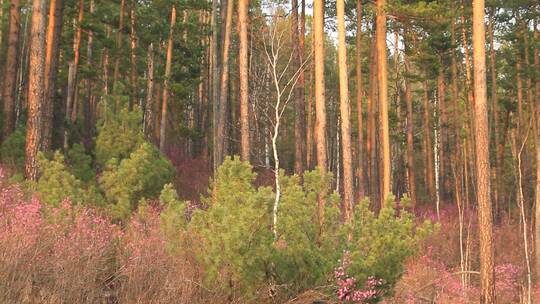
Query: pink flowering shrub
x=347, y=290
x=51, y=254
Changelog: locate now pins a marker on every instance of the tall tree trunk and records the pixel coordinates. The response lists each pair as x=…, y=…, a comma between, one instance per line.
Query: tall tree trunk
x=165, y=101
x=54, y=33
x=11, y=65
x=215, y=81
x=243, y=9
x=222, y=134
x=495, y=108
x=116, y=73
x=88, y=103
x=537, y=197
x=382, y=77
x=149, y=116
x=443, y=131
x=482, y=157
x=371, y=147
x=133, y=55
x=410, y=131
x=345, y=111
x=300, y=113
x=36, y=86
x=359, y=100
x=72, y=76
x=320, y=106
x=456, y=125
x=428, y=146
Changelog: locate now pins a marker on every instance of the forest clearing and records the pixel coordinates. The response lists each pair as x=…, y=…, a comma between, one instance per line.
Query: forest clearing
x=270, y=151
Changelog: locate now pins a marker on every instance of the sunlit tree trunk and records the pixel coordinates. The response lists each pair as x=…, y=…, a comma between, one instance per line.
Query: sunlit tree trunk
x=320, y=106
x=223, y=109
x=410, y=130
x=243, y=9
x=54, y=33
x=149, y=115
x=482, y=157
x=10, y=70
x=537, y=197
x=495, y=108
x=166, y=83
x=359, y=100
x=133, y=55
x=215, y=80
x=299, y=104
x=36, y=86
x=428, y=146
x=382, y=78
x=116, y=73
x=345, y=111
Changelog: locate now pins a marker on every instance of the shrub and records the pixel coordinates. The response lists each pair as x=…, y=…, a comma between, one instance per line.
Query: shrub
x=118, y=136
x=379, y=247
x=56, y=183
x=81, y=163
x=142, y=175
x=12, y=149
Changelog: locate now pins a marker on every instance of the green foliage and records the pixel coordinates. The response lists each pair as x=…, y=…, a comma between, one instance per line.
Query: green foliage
x=142, y=175
x=56, y=183
x=119, y=135
x=237, y=241
x=81, y=163
x=12, y=149
x=235, y=229
x=173, y=216
x=380, y=244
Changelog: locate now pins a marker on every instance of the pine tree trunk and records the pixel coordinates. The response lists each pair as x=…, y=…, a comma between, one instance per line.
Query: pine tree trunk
x=88, y=103
x=359, y=100
x=410, y=131
x=243, y=9
x=371, y=147
x=149, y=116
x=215, y=81
x=116, y=73
x=482, y=157
x=300, y=113
x=428, y=146
x=223, y=109
x=495, y=108
x=537, y=197
x=36, y=88
x=54, y=33
x=165, y=100
x=320, y=106
x=11, y=65
x=382, y=78
x=133, y=55
x=345, y=109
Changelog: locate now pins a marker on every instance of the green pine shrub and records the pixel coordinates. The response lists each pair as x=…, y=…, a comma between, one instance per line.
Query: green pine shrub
x=12, y=149
x=81, y=163
x=118, y=136
x=56, y=183
x=142, y=175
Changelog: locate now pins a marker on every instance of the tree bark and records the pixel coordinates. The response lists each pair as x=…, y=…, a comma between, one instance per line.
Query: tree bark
x=382, y=77
x=215, y=81
x=165, y=101
x=11, y=65
x=371, y=147
x=222, y=134
x=36, y=86
x=410, y=131
x=482, y=157
x=359, y=100
x=243, y=9
x=149, y=116
x=537, y=196
x=320, y=106
x=299, y=104
x=345, y=109
x=428, y=146
x=116, y=73
x=54, y=33
x=133, y=55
